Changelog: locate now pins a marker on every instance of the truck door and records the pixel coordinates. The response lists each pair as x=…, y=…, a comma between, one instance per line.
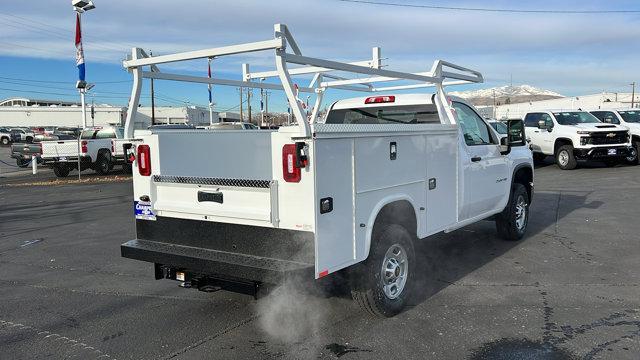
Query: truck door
x=532, y=131
x=545, y=137
x=484, y=180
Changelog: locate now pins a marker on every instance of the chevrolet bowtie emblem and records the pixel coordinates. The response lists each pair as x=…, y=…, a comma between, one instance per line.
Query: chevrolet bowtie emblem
x=611, y=135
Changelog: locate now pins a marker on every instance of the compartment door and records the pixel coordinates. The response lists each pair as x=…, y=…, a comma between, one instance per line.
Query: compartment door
x=335, y=248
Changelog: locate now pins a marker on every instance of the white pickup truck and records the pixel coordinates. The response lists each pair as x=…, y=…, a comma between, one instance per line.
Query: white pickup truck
x=629, y=118
x=236, y=209
x=94, y=150
x=576, y=135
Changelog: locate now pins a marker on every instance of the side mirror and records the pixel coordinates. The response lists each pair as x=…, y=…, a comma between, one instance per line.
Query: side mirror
x=515, y=136
x=542, y=124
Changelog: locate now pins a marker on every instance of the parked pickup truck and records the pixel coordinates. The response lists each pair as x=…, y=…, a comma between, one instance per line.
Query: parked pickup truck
x=629, y=118
x=237, y=209
x=95, y=150
x=576, y=135
x=24, y=151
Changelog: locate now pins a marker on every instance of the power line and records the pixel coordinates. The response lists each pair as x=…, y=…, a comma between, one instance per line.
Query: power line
x=62, y=82
x=535, y=11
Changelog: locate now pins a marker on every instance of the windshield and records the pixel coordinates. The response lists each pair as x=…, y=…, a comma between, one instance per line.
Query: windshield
x=500, y=127
x=408, y=114
x=575, y=117
x=630, y=116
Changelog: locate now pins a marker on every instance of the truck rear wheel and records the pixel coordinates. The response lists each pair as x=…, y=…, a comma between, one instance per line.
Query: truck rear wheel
x=5, y=141
x=511, y=224
x=383, y=283
x=22, y=163
x=565, y=158
x=102, y=165
x=61, y=170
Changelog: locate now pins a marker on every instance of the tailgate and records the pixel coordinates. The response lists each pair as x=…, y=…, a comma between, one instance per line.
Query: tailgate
x=221, y=176
x=56, y=149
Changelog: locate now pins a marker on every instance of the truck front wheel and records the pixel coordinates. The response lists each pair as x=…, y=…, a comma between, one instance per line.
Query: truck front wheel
x=511, y=224
x=61, y=170
x=383, y=283
x=565, y=158
x=634, y=156
x=5, y=141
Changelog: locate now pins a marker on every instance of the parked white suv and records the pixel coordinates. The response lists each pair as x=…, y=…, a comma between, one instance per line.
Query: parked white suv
x=625, y=117
x=576, y=135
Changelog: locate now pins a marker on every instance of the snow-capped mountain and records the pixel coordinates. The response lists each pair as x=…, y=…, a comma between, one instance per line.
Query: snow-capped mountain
x=506, y=95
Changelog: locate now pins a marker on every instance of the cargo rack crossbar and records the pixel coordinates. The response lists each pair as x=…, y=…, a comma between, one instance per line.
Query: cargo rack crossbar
x=369, y=72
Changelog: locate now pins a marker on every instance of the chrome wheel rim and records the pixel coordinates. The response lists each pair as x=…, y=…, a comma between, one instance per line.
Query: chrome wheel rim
x=521, y=212
x=563, y=158
x=395, y=269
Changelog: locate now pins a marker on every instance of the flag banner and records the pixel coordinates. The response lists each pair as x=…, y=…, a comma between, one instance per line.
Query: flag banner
x=79, y=51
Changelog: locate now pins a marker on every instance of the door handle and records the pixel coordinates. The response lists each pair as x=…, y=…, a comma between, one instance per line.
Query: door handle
x=536, y=131
x=476, y=158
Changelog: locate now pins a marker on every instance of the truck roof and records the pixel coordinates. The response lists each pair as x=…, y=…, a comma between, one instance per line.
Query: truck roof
x=399, y=99
x=402, y=99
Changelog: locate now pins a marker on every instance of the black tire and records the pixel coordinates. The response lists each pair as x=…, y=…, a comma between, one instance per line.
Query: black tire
x=634, y=160
x=61, y=171
x=539, y=157
x=102, y=165
x=511, y=223
x=565, y=158
x=29, y=139
x=391, y=244
x=5, y=141
x=22, y=163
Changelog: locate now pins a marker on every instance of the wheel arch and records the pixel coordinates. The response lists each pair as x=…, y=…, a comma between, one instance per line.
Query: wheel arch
x=560, y=142
x=523, y=174
x=399, y=209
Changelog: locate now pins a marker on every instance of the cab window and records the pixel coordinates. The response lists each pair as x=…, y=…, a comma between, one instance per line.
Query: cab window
x=474, y=129
x=606, y=116
x=105, y=134
x=531, y=120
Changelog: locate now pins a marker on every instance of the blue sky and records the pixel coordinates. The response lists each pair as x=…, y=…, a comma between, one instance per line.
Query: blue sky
x=572, y=54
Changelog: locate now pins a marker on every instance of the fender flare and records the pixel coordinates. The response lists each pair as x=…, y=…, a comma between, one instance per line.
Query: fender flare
x=373, y=216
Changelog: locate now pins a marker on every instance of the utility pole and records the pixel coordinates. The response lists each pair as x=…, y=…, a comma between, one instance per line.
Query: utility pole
x=249, y=104
x=261, y=106
x=266, y=106
x=494, y=103
x=153, y=102
x=633, y=93
x=241, y=117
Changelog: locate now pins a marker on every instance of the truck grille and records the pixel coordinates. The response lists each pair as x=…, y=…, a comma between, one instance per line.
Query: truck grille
x=608, y=138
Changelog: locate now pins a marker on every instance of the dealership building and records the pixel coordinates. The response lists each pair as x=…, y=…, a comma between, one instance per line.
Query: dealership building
x=23, y=112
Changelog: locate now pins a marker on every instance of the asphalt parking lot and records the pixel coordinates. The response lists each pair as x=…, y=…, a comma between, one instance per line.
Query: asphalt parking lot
x=569, y=290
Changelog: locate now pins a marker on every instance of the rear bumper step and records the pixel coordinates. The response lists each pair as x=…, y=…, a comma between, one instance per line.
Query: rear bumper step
x=215, y=263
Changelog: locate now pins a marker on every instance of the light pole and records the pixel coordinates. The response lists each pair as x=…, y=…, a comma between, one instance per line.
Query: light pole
x=81, y=6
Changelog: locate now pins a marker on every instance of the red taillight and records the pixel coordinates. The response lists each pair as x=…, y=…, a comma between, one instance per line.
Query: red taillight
x=84, y=147
x=144, y=160
x=380, y=99
x=290, y=170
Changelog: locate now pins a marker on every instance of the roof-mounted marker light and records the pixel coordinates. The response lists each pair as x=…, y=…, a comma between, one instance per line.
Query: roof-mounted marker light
x=380, y=99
